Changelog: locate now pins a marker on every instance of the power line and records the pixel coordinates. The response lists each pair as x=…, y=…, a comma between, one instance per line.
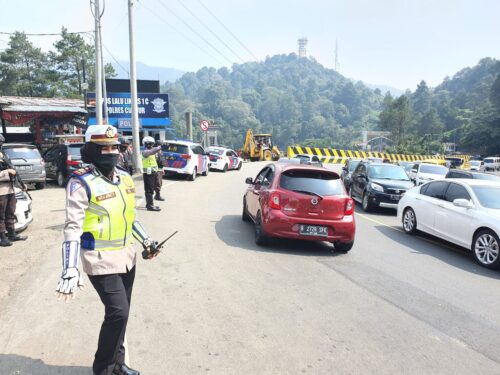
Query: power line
x=213, y=33
x=180, y=33
x=45, y=34
x=227, y=29
x=195, y=32
x=116, y=61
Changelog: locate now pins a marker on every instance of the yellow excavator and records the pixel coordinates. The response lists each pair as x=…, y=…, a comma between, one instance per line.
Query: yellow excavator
x=259, y=147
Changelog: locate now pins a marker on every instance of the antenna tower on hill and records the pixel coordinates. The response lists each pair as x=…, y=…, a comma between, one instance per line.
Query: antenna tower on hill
x=302, y=46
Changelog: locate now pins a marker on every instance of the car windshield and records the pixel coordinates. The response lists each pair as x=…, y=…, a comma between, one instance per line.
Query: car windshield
x=353, y=165
x=489, y=196
x=456, y=162
x=315, y=182
x=22, y=153
x=217, y=151
x=488, y=160
x=175, y=147
x=302, y=157
x=387, y=172
x=475, y=163
x=74, y=151
x=434, y=169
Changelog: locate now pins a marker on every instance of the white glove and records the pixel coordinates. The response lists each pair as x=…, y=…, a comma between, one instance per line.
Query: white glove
x=69, y=281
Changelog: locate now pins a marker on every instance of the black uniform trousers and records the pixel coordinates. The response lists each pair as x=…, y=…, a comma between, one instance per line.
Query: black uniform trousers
x=115, y=291
x=149, y=187
x=7, y=212
x=158, y=182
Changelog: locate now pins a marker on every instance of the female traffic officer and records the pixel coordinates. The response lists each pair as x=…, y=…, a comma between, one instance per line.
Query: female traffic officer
x=99, y=230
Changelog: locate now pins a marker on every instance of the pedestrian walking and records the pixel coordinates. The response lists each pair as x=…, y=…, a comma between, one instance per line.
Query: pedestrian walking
x=98, y=235
x=159, y=174
x=7, y=200
x=149, y=169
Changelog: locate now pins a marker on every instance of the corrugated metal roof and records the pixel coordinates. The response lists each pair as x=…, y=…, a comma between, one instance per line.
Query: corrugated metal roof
x=29, y=104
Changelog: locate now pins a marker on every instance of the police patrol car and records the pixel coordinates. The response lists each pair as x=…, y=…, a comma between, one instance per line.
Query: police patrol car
x=222, y=158
x=184, y=157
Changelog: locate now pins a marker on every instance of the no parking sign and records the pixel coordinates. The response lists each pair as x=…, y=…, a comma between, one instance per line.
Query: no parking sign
x=204, y=125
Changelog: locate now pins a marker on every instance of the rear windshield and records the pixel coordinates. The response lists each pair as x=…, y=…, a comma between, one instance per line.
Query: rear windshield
x=174, y=147
x=456, y=162
x=353, y=165
x=22, y=153
x=489, y=160
x=489, y=196
x=317, y=182
x=388, y=172
x=74, y=151
x=475, y=162
x=434, y=169
x=214, y=151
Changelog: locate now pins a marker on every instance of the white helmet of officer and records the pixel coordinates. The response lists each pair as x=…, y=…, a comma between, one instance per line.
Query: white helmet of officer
x=102, y=135
x=148, y=139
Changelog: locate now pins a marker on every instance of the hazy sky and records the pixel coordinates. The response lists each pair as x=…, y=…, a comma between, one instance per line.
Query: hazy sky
x=390, y=42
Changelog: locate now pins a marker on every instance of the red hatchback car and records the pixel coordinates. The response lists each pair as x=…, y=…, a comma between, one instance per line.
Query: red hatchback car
x=302, y=202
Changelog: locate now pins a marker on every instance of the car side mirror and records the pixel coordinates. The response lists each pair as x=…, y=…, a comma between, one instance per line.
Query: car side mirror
x=464, y=203
x=249, y=181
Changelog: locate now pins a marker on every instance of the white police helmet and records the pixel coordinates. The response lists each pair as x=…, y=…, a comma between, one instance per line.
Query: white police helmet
x=102, y=135
x=148, y=140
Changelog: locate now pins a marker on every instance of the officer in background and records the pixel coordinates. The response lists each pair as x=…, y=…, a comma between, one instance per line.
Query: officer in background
x=99, y=230
x=7, y=200
x=125, y=158
x=159, y=174
x=149, y=169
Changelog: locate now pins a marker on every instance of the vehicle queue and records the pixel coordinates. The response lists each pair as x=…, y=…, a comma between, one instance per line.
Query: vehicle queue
x=300, y=198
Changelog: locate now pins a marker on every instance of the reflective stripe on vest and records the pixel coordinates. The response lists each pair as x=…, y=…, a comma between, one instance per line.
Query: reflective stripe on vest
x=110, y=214
x=149, y=162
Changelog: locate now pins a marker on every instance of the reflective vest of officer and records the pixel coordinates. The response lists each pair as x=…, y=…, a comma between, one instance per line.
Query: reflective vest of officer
x=149, y=164
x=111, y=211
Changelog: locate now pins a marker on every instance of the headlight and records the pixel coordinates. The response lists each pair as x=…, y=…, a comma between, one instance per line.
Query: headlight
x=376, y=187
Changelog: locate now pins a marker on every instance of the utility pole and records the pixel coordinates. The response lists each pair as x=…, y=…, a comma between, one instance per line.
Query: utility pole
x=98, y=68
x=133, y=90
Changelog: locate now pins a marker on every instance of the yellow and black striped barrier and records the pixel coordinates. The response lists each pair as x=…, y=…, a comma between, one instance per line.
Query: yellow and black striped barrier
x=331, y=155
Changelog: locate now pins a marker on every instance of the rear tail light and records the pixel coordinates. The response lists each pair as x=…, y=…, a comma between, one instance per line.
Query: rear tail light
x=186, y=156
x=274, y=201
x=349, y=207
x=73, y=163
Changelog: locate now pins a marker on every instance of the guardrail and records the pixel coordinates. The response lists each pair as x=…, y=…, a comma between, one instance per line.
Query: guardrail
x=332, y=155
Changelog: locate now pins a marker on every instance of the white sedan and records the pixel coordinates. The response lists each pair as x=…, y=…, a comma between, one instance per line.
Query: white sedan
x=463, y=211
x=23, y=210
x=223, y=159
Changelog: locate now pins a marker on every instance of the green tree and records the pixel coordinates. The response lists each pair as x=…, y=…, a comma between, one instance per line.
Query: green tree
x=396, y=118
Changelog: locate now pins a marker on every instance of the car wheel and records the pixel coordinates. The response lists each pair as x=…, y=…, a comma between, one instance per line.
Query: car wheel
x=40, y=185
x=244, y=214
x=343, y=247
x=486, y=248
x=260, y=238
x=60, y=179
x=225, y=168
x=409, y=221
x=193, y=175
x=367, y=206
x=239, y=166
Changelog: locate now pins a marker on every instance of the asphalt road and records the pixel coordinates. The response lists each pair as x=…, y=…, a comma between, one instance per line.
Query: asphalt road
x=214, y=302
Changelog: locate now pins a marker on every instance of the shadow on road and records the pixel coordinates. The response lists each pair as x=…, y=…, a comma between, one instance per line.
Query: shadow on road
x=13, y=364
x=236, y=233
x=443, y=250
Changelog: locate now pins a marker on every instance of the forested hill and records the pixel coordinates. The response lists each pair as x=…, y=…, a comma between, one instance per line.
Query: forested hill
x=296, y=99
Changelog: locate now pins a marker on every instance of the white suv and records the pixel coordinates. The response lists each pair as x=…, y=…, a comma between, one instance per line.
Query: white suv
x=223, y=159
x=184, y=157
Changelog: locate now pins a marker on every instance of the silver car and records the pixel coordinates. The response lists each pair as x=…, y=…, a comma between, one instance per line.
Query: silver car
x=28, y=163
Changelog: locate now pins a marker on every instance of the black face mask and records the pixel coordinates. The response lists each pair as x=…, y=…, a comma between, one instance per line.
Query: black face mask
x=149, y=146
x=106, y=163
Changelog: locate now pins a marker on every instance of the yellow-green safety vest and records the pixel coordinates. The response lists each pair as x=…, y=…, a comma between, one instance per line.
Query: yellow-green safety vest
x=149, y=162
x=110, y=214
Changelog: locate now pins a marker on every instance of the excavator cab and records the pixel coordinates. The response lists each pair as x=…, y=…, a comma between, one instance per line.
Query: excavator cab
x=259, y=147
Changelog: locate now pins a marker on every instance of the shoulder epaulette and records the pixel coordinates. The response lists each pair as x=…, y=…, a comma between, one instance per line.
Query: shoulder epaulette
x=82, y=171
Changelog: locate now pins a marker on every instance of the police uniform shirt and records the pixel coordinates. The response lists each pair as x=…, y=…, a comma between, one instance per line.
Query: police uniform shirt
x=93, y=262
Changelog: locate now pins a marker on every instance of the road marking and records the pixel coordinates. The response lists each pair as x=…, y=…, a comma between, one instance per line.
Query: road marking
x=402, y=231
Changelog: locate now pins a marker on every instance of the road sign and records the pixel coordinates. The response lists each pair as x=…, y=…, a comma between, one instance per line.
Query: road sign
x=204, y=125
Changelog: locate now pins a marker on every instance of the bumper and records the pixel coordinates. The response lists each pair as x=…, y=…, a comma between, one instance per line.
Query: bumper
x=277, y=224
x=384, y=199
x=176, y=170
x=216, y=165
x=23, y=215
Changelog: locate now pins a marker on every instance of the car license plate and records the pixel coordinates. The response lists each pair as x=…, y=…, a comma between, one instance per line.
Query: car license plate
x=313, y=230
x=395, y=197
x=24, y=167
